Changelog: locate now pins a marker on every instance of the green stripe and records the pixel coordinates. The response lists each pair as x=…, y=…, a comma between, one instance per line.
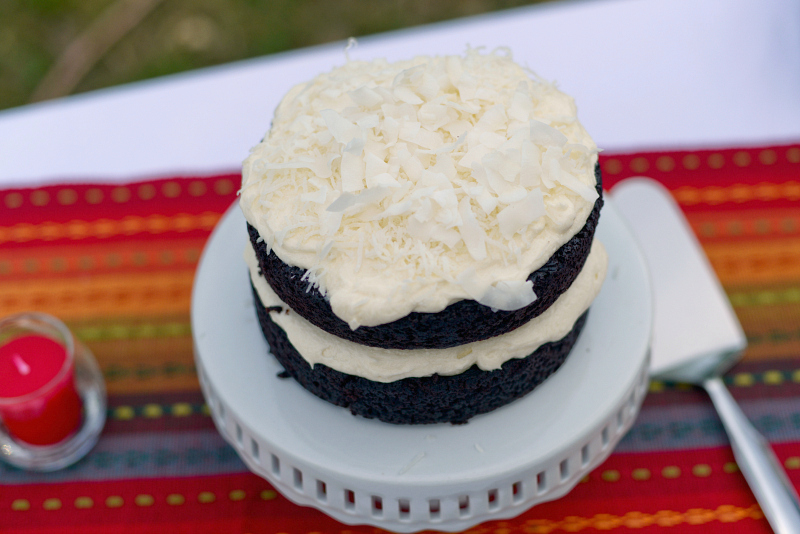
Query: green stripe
x=765, y=297
x=116, y=372
x=775, y=337
x=138, y=331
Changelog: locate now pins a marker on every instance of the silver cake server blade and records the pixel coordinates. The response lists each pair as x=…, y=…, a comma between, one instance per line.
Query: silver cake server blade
x=697, y=337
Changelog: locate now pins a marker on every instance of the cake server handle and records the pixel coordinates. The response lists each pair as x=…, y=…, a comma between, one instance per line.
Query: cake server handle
x=774, y=492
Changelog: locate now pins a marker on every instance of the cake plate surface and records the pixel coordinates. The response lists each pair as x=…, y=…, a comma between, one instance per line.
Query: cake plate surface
x=410, y=478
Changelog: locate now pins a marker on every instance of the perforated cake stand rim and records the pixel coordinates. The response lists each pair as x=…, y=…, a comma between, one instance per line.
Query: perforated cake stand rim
x=364, y=509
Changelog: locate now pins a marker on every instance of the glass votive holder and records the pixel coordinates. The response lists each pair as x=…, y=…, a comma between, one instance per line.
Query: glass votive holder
x=52, y=394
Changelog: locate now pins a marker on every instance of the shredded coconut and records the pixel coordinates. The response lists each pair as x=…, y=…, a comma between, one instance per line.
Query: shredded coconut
x=421, y=182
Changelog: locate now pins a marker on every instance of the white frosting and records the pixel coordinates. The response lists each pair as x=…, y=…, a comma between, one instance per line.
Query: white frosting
x=387, y=365
x=407, y=186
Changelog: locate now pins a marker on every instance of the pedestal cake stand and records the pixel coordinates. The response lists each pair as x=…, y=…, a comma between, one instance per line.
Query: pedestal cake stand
x=411, y=478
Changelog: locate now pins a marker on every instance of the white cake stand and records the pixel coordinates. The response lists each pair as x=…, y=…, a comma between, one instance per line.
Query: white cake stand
x=410, y=478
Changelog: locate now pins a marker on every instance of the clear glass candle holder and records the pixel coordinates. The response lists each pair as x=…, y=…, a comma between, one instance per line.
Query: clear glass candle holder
x=54, y=422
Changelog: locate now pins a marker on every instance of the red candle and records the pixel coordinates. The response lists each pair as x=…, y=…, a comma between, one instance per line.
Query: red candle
x=38, y=400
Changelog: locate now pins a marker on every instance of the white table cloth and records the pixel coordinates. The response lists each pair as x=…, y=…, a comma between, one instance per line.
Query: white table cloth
x=644, y=73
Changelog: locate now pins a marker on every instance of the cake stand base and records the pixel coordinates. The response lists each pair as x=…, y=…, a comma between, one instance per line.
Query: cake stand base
x=411, y=478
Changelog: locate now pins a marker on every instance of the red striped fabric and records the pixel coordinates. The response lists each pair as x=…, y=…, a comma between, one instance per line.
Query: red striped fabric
x=116, y=262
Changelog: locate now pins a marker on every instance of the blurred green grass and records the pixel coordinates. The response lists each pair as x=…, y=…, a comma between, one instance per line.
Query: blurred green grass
x=180, y=35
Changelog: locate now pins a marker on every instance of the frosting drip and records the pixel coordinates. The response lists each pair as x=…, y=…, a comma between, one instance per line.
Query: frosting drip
x=407, y=186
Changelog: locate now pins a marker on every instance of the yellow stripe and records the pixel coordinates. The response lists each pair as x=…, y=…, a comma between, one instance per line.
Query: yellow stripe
x=771, y=377
x=725, y=513
x=158, y=411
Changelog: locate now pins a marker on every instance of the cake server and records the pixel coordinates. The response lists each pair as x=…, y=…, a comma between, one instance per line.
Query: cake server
x=697, y=337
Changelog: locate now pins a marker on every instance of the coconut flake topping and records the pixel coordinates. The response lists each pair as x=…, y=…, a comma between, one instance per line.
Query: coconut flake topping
x=407, y=186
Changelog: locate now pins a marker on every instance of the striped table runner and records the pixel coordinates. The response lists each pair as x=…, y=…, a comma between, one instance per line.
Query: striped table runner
x=116, y=263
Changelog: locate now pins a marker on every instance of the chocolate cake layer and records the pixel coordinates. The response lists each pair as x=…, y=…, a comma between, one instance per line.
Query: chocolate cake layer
x=462, y=322
x=433, y=399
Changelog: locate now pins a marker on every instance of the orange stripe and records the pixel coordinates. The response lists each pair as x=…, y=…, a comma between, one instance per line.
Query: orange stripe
x=105, y=295
x=65, y=260
x=636, y=520
x=771, y=351
x=762, y=224
x=737, y=193
x=755, y=262
x=106, y=228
